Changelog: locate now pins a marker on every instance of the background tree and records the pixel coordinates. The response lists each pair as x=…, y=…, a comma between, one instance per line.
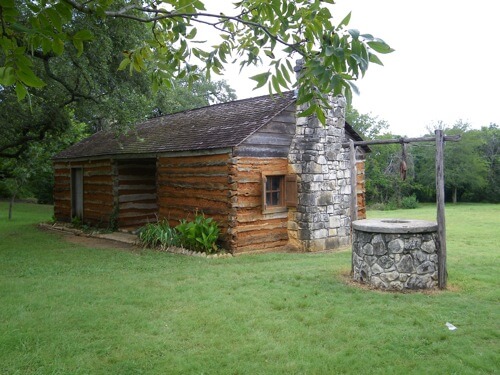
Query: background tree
x=384, y=184
x=83, y=94
x=465, y=168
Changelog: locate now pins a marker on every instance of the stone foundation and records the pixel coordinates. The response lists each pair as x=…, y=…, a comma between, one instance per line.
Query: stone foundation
x=395, y=254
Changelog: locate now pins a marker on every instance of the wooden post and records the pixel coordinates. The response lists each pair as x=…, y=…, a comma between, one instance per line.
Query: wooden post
x=354, y=198
x=442, y=273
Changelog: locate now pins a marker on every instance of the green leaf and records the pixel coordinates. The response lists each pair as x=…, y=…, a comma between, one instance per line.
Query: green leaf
x=321, y=115
x=124, y=63
x=58, y=46
x=192, y=33
x=309, y=111
x=21, y=91
x=269, y=54
x=7, y=76
x=54, y=18
x=261, y=79
x=29, y=78
x=305, y=98
x=84, y=35
x=374, y=59
x=346, y=20
x=276, y=84
x=354, y=33
x=380, y=46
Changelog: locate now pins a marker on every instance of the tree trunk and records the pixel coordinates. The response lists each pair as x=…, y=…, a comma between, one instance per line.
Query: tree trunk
x=11, y=204
x=454, y=195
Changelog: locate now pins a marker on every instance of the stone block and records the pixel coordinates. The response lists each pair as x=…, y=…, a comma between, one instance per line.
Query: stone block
x=332, y=232
x=376, y=269
x=396, y=246
x=325, y=198
x=429, y=247
x=334, y=222
x=389, y=276
x=368, y=249
x=426, y=268
x=378, y=245
x=412, y=243
x=385, y=262
x=405, y=264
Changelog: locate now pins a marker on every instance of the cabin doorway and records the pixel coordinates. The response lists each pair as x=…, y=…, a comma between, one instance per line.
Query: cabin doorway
x=137, y=198
x=77, y=193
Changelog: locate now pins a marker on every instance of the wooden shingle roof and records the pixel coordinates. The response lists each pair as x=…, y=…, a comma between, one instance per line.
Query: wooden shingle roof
x=216, y=126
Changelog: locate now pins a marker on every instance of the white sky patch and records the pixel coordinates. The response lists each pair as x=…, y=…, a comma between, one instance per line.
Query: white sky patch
x=445, y=66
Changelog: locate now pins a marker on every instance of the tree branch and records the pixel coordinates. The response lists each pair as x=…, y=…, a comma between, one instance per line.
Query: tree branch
x=164, y=14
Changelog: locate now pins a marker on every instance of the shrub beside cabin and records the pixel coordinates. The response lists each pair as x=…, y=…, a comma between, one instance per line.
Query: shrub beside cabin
x=270, y=179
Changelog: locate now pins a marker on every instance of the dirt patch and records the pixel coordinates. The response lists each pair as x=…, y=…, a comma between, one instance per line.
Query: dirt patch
x=92, y=242
x=99, y=243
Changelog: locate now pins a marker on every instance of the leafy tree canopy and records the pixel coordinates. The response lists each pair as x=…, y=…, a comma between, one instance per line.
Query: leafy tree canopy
x=172, y=49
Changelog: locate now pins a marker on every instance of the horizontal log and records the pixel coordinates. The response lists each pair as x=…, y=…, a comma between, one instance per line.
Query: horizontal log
x=194, y=164
x=261, y=248
x=262, y=225
x=254, y=215
x=137, y=186
x=261, y=239
x=269, y=139
x=132, y=179
x=262, y=150
x=107, y=198
x=187, y=160
x=175, y=213
x=451, y=138
x=139, y=206
x=97, y=178
x=136, y=197
x=150, y=215
x=182, y=194
x=195, y=186
x=200, y=182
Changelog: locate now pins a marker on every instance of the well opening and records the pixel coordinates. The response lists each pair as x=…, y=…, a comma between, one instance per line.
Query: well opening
x=395, y=254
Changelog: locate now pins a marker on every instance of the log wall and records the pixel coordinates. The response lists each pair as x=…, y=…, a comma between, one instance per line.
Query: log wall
x=136, y=192
x=62, y=191
x=273, y=139
x=98, y=199
x=187, y=184
x=251, y=229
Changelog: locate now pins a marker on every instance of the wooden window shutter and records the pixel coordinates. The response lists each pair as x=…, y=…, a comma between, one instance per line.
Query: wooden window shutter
x=291, y=193
x=264, y=205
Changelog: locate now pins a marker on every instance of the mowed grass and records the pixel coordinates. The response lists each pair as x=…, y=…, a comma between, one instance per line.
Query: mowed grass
x=69, y=309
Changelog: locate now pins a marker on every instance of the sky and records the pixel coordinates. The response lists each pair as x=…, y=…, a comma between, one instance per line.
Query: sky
x=446, y=66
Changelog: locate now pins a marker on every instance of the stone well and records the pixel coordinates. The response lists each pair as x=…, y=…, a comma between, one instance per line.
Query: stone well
x=395, y=254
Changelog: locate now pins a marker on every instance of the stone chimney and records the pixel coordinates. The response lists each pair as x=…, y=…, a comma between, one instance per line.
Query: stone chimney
x=321, y=220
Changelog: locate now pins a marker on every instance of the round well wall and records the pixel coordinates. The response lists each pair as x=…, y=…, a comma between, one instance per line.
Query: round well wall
x=395, y=254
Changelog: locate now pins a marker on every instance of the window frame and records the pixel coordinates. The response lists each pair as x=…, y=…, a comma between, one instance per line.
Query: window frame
x=288, y=192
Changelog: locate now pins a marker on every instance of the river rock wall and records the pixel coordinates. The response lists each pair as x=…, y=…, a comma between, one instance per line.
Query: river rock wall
x=395, y=261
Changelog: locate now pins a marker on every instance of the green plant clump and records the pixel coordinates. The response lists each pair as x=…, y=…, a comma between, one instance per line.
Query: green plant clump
x=410, y=202
x=201, y=234
x=159, y=234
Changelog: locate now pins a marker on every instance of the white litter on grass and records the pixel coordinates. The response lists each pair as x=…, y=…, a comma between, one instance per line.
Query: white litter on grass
x=450, y=326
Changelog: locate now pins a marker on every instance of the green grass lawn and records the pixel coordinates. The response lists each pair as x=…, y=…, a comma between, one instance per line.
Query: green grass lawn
x=68, y=309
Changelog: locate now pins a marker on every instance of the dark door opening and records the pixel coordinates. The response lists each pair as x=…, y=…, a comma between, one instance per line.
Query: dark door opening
x=77, y=193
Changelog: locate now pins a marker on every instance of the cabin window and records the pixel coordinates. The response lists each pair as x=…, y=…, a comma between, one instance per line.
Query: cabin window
x=278, y=192
x=274, y=191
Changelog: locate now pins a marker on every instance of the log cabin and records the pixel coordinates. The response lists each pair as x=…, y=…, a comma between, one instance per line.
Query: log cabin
x=272, y=180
